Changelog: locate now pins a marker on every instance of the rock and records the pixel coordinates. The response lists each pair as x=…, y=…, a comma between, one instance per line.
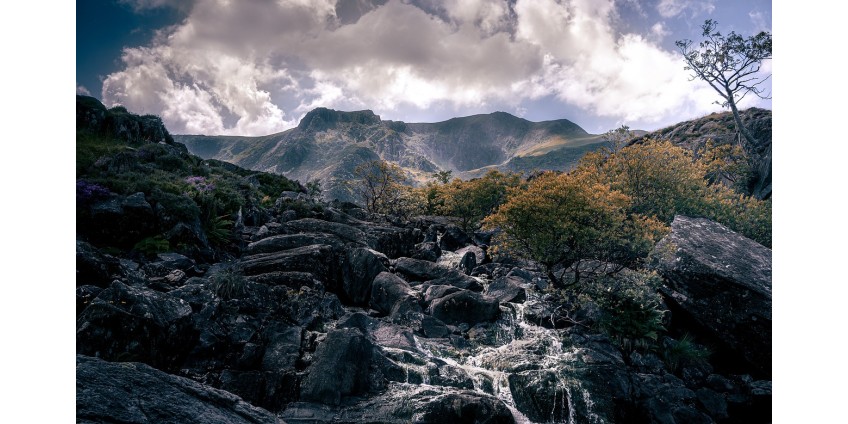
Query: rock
x=130, y=392
x=479, y=254
x=291, y=241
x=394, y=242
x=359, y=269
x=132, y=323
x=540, y=395
x=94, y=267
x=722, y=281
x=454, y=238
x=458, y=279
x=119, y=221
x=282, y=347
x=419, y=270
x=269, y=390
x=387, y=290
x=467, y=263
x=465, y=306
x=543, y=315
x=427, y=251
x=312, y=225
x=341, y=368
x=713, y=403
x=86, y=294
x=292, y=279
x=464, y=408
x=437, y=291
x=507, y=289
x=433, y=327
x=317, y=260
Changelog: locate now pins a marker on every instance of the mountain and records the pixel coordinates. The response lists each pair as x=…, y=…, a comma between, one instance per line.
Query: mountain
x=721, y=129
x=329, y=144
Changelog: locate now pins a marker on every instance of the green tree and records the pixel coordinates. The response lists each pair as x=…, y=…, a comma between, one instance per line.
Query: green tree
x=564, y=219
x=443, y=176
x=618, y=138
x=379, y=185
x=731, y=65
x=473, y=200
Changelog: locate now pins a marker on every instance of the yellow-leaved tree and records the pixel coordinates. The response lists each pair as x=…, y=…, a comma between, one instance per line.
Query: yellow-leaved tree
x=561, y=220
x=473, y=200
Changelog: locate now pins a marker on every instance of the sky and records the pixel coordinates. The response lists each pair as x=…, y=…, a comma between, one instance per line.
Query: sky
x=255, y=67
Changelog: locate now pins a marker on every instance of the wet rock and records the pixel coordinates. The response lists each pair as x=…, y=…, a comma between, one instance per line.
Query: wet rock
x=131, y=392
x=464, y=408
x=546, y=315
x=126, y=323
x=540, y=395
x=85, y=295
x=457, y=279
x=507, y=289
x=465, y=307
x=722, y=281
x=419, y=270
x=479, y=254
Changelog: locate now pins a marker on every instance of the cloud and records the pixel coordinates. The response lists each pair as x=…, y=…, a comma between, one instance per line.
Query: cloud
x=82, y=90
x=659, y=31
x=254, y=67
x=672, y=8
x=142, y=5
x=759, y=21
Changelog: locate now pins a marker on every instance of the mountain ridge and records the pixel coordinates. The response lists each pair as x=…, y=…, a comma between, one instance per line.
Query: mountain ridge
x=328, y=144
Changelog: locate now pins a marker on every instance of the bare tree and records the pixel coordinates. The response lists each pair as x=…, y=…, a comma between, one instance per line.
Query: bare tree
x=731, y=66
x=378, y=184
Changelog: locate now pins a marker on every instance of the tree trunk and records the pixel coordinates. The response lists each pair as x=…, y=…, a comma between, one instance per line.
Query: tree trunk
x=750, y=142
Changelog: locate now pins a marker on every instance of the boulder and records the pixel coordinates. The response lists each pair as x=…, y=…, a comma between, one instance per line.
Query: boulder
x=467, y=263
x=94, y=267
x=420, y=270
x=508, y=289
x=465, y=306
x=358, y=271
x=341, y=368
x=130, y=392
x=316, y=259
x=387, y=290
x=540, y=395
x=478, y=253
x=133, y=323
x=722, y=281
x=454, y=238
x=465, y=407
x=393, y=242
x=291, y=241
x=312, y=225
x=427, y=251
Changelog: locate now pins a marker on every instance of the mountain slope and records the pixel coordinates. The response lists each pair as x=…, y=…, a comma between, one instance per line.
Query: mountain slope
x=329, y=144
x=721, y=129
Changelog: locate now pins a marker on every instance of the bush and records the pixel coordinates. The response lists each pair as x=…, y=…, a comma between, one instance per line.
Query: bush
x=228, y=283
x=152, y=246
x=471, y=201
x=679, y=353
x=563, y=219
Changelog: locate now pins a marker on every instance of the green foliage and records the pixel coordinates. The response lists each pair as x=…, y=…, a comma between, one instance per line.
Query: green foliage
x=661, y=179
x=563, y=219
x=631, y=307
x=228, y=283
x=151, y=246
x=219, y=230
x=685, y=351
x=443, y=176
x=473, y=200
x=618, y=138
x=379, y=185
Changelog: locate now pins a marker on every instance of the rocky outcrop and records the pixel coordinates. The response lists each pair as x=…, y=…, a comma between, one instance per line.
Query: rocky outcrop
x=126, y=323
x=722, y=281
x=130, y=392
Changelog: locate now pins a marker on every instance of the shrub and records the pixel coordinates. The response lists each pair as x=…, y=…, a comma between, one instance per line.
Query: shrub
x=151, y=246
x=229, y=283
x=473, y=200
x=679, y=353
x=562, y=219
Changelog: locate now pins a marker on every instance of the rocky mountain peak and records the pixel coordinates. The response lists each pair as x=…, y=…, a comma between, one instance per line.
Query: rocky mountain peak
x=321, y=119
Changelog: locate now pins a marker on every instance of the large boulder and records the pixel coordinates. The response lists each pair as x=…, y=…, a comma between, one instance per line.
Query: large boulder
x=346, y=364
x=133, y=323
x=387, y=290
x=316, y=259
x=94, y=267
x=454, y=238
x=465, y=306
x=312, y=225
x=130, y=392
x=722, y=281
x=358, y=271
x=290, y=241
x=420, y=270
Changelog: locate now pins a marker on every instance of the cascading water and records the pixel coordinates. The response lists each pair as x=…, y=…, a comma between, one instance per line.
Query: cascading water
x=516, y=352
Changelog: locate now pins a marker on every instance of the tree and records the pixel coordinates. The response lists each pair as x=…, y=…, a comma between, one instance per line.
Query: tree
x=473, y=200
x=443, y=176
x=379, y=185
x=618, y=138
x=730, y=65
x=565, y=219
